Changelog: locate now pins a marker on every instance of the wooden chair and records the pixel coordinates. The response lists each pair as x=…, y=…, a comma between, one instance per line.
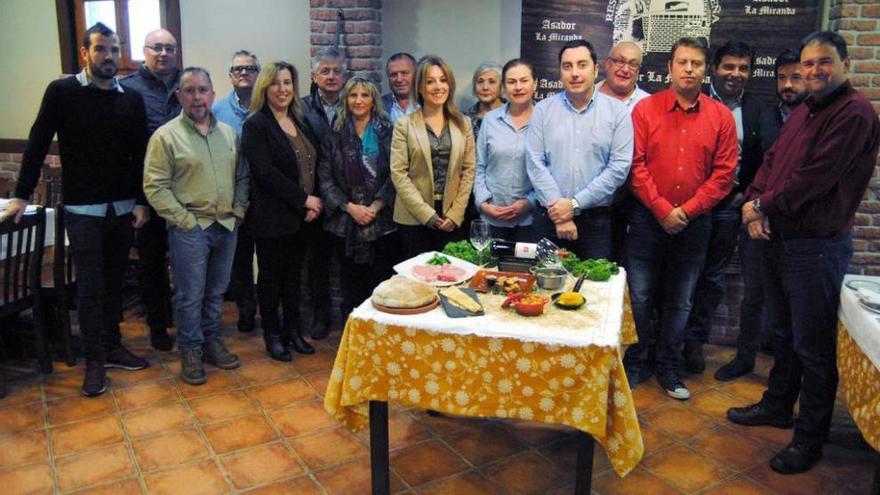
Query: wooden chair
x=59, y=287
x=21, y=246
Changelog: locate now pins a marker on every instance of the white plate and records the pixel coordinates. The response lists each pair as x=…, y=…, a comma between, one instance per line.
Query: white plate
x=856, y=284
x=405, y=267
x=869, y=308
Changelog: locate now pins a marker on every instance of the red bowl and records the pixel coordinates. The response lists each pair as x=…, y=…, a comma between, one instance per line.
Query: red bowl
x=531, y=306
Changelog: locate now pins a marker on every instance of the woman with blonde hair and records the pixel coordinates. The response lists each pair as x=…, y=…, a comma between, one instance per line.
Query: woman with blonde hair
x=432, y=163
x=279, y=143
x=357, y=191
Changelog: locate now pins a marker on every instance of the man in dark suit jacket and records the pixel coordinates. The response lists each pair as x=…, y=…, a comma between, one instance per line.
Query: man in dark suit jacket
x=756, y=130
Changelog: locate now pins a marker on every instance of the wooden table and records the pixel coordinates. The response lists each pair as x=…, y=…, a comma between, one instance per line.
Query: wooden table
x=475, y=367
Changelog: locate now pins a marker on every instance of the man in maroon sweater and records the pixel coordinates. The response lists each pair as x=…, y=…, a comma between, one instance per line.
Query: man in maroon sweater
x=803, y=201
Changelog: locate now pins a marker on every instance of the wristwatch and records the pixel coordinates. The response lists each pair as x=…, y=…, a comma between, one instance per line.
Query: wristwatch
x=575, y=207
x=756, y=205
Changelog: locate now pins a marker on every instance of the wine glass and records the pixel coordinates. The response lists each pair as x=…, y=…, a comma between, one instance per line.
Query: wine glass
x=480, y=237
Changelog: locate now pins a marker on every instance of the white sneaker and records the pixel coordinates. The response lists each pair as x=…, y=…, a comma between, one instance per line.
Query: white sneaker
x=673, y=386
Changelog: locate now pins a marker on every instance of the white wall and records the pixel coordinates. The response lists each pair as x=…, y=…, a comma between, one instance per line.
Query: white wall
x=32, y=58
x=464, y=32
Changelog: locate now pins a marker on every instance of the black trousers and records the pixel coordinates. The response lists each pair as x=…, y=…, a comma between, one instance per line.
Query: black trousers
x=100, y=250
x=241, y=282
x=280, y=260
x=318, y=258
x=358, y=280
x=151, y=241
x=417, y=239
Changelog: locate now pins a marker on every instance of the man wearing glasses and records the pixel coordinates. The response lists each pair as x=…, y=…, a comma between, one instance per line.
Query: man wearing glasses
x=328, y=78
x=233, y=110
x=157, y=81
x=622, y=67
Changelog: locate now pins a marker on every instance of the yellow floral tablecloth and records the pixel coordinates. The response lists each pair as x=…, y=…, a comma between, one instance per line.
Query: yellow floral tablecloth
x=860, y=384
x=584, y=387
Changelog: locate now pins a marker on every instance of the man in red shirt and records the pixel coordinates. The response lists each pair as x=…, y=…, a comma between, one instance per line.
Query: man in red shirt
x=803, y=201
x=683, y=164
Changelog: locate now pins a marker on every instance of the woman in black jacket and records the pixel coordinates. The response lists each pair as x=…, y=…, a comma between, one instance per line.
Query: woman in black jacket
x=357, y=191
x=282, y=151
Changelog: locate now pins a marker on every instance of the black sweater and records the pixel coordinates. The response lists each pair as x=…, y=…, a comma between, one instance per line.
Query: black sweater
x=102, y=138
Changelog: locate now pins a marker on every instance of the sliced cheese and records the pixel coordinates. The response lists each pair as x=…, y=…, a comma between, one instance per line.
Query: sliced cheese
x=458, y=298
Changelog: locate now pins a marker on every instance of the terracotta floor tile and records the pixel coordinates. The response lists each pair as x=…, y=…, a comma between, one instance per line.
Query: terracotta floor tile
x=21, y=392
x=677, y=420
x=86, y=435
x=281, y=394
x=730, y=449
x=203, y=478
x=301, y=419
x=59, y=385
x=145, y=394
x=76, y=408
x=169, y=450
x=239, y=433
x=739, y=485
x=564, y=455
x=648, y=396
x=846, y=465
x=813, y=481
x=714, y=403
x=151, y=420
x=126, y=487
x=26, y=480
x=445, y=424
x=218, y=381
x=322, y=360
x=487, y=445
x=775, y=438
x=637, y=482
x=133, y=329
x=261, y=465
x=654, y=439
x=749, y=388
x=403, y=430
x=427, y=461
x=536, y=434
x=265, y=371
x=23, y=448
x=352, y=478
x=329, y=447
x=299, y=486
x=21, y=418
x=527, y=473
x=221, y=406
x=471, y=483
x=94, y=467
x=683, y=467
x=123, y=378
x=318, y=381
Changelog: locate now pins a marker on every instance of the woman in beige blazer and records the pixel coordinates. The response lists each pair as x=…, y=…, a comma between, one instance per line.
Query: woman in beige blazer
x=432, y=163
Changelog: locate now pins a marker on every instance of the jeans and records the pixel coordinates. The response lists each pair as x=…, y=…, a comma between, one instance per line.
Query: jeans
x=726, y=226
x=100, y=250
x=151, y=241
x=752, y=319
x=802, y=279
x=593, y=232
x=652, y=257
x=241, y=282
x=202, y=261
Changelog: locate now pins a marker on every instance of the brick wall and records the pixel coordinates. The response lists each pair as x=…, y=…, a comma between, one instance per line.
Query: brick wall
x=858, y=21
x=361, y=40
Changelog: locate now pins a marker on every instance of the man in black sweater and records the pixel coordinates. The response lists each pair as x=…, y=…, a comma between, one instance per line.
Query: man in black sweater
x=102, y=139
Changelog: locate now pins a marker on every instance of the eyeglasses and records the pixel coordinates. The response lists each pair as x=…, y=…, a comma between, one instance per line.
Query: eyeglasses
x=159, y=48
x=632, y=64
x=237, y=69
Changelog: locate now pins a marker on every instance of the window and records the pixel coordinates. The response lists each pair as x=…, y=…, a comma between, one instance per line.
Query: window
x=131, y=19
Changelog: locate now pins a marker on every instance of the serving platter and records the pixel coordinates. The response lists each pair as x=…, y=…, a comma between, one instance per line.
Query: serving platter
x=407, y=311
x=480, y=284
x=405, y=268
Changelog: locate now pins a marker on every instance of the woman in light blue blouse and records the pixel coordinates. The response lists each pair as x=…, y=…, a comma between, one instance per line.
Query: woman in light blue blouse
x=502, y=190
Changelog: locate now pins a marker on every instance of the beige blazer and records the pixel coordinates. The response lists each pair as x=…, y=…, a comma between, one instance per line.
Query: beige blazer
x=413, y=174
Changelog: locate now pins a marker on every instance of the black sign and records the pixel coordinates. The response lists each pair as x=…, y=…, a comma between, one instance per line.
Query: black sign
x=768, y=26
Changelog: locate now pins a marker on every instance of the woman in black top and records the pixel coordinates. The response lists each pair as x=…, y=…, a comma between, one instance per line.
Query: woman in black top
x=282, y=151
x=357, y=191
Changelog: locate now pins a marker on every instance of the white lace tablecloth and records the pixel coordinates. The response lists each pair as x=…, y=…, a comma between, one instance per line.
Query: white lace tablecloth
x=596, y=323
x=862, y=324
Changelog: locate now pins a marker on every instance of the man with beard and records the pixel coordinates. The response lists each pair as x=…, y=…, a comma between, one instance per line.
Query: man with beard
x=193, y=180
x=790, y=87
x=400, y=70
x=156, y=81
x=101, y=129
x=756, y=130
x=803, y=202
x=232, y=111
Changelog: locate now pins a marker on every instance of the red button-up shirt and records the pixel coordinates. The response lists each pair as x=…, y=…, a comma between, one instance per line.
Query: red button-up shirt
x=814, y=176
x=682, y=157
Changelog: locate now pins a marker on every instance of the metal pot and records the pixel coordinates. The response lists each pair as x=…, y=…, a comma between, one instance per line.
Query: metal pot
x=550, y=278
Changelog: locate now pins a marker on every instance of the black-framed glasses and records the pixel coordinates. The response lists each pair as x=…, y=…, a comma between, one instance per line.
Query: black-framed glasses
x=251, y=69
x=619, y=63
x=159, y=48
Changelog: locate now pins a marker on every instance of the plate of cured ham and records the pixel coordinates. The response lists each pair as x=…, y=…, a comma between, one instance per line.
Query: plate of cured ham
x=436, y=273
